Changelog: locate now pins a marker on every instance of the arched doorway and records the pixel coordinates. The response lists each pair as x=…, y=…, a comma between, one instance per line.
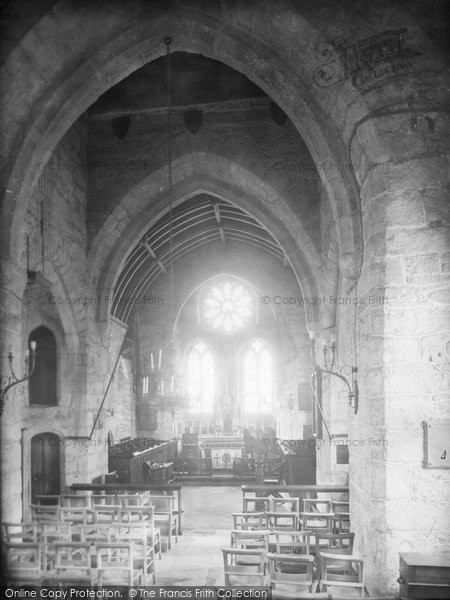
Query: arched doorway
x=45, y=465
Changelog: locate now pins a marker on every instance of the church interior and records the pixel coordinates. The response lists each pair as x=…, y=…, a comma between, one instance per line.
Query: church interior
x=225, y=295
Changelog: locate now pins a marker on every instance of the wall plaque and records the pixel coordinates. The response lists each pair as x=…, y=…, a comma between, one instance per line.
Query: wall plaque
x=436, y=444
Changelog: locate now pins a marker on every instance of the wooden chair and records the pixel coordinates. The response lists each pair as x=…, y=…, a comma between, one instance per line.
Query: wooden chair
x=285, y=505
x=96, y=533
x=51, y=534
x=338, y=543
x=256, y=504
x=282, y=520
x=115, y=565
x=19, y=533
x=244, y=567
x=291, y=574
x=138, y=514
x=341, y=523
x=342, y=571
x=136, y=534
x=44, y=513
x=316, y=522
x=249, y=520
x=340, y=506
x=317, y=505
x=23, y=563
x=333, y=543
x=250, y=539
x=75, y=500
x=137, y=499
x=77, y=515
x=72, y=564
x=282, y=541
x=102, y=500
x=164, y=517
x=106, y=513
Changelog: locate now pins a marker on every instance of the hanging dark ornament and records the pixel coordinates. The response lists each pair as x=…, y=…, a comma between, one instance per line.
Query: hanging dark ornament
x=120, y=126
x=193, y=120
x=277, y=114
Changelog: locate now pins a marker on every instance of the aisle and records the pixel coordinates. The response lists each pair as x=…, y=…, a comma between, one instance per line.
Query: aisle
x=207, y=522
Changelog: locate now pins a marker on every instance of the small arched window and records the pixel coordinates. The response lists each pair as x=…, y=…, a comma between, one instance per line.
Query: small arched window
x=42, y=385
x=257, y=371
x=200, y=377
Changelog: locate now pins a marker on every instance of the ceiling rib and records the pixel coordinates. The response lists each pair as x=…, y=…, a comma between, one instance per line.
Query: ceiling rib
x=196, y=222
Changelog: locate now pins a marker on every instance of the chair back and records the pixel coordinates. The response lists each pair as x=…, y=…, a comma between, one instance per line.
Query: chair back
x=316, y=522
x=136, y=513
x=256, y=504
x=102, y=500
x=250, y=539
x=282, y=541
x=291, y=573
x=282, y=520
x=244, y=567
x=107, y=513
x=75, y=500
x=162, y=504
x=19, y=532
x=249, y=520
x=23, y=562
x=41, y=513
x=340, y=506
x=115, y=564
x=317, y=505
x=285, y=504
x=342, y=570
x=77, y=515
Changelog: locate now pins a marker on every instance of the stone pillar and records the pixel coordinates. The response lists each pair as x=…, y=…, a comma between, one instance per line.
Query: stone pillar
x=12, y=284
x=403, y=351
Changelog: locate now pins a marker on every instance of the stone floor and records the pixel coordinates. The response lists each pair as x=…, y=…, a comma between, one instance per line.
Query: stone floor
x=196, y=559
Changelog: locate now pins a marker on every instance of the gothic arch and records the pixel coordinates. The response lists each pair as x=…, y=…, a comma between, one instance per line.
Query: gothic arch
x=127, y=41
x=217, y=177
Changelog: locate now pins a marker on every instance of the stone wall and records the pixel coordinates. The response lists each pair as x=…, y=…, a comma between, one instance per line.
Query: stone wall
x=61, y=298
x=402, y=341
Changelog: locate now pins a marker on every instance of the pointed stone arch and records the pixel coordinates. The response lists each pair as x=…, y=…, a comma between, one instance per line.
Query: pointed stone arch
x=125, y=40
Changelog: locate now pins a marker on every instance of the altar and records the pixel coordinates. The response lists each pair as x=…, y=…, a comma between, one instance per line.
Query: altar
x=222, y=450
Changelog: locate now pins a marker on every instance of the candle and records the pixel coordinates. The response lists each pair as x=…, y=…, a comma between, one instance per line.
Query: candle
x=162, y=387
x=160, y=358
x=151, y=361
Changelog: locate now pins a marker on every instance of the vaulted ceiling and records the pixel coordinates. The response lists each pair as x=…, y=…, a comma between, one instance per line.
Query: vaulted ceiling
x=200, y=221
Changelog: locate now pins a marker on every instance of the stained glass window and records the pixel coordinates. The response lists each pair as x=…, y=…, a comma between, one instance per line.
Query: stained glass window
x=257, y=370
x=227, y=306
x=200, y=377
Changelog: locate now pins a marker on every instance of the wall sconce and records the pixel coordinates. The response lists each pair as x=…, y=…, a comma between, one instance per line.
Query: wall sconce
x=352, y=385
x=9, y=381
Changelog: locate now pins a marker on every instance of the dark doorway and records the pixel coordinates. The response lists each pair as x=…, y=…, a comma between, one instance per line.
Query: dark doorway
x=45, y=465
